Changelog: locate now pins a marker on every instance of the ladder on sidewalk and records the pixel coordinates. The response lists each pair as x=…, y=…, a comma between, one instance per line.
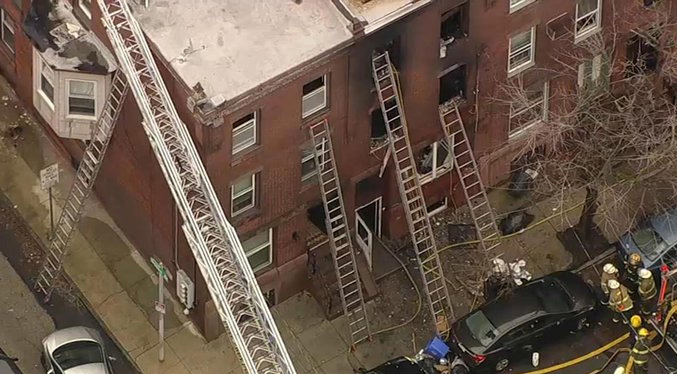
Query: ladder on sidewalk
x=411, y=194
x=343, y=254
x=82, y=186
x=213, y=240
x=469, y=176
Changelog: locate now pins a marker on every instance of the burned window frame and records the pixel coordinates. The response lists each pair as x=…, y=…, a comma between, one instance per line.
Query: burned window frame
x=436, y=171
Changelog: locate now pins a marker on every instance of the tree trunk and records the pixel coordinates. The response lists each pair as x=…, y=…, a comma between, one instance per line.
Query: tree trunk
x=585, y=226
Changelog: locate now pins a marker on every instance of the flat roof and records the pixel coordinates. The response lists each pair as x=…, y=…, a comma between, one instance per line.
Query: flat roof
x=374, y=10
x=233, y=46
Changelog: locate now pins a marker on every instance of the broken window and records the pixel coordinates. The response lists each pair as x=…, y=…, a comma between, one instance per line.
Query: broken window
x=594, y=73
x=308, y=166
x=317, y=216
x=588, y=18
x=314, y=96
x=81, y=98
x=378, y=129
x=642, y=55
x=453, y=84
x=393, y=49
x=438, y=207
x=433, y=161
x=530, y=109
x=454, y=26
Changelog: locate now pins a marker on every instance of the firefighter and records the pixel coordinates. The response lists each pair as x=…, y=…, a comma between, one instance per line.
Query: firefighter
x=619, y=301
x=636, y=324
x=619, y=370
x=647, y=292
x=630, y=277
x=609, y=272
x=640, y=351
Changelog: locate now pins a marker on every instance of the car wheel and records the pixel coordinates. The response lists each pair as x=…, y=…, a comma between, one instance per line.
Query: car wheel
x=502, y=365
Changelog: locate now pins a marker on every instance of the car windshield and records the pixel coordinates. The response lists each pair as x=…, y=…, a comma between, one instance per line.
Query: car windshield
x=481, y=329
x=649, y=242
x=78, y=353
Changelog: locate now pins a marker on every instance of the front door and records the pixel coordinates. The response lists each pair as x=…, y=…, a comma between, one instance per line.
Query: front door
x=368, y=224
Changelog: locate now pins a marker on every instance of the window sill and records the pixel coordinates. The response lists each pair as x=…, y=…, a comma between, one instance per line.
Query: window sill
x=244, y=154
x=313, y=116
x=521, y=132
x=427, y=178
x=520, y=69
x=81, y=117
x=515, y=8
x=586, y=34
x=46, y=100
x=245, y=215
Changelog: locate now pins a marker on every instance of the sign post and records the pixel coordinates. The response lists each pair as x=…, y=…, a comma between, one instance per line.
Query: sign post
x=163, y=275
x=49, y=177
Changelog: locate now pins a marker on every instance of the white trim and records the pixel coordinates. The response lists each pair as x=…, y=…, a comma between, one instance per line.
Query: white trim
x=544, y=117
x=311, y=156
x=437, y=171
x=69, y=115
x=248, y=190
x=49, y=101
x=245, y=126
x=440, y=209
x=586, y=32
x=320, y=90
x=380, y=212
x=84, y=9
x=518, y=5
x=258, y=249
x=531, y=48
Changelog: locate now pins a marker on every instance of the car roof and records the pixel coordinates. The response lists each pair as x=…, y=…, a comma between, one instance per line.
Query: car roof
x=72, y=334
x=513, y=307
x=666, y=226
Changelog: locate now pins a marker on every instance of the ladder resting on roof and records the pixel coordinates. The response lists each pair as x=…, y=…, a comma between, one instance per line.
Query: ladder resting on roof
x=469, y=176
x=411, y=194
x=343, y=254
x=82, y=186
x=214, y=242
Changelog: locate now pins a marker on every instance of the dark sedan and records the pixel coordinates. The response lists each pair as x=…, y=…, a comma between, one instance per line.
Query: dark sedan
x=518, y=322
x=401, y=365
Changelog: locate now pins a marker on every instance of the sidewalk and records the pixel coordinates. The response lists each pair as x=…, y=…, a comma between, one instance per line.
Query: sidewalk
x=121, y=288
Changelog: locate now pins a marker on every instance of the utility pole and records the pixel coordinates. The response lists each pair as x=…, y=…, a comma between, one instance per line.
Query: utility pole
x=163, y=276
x=49, y=177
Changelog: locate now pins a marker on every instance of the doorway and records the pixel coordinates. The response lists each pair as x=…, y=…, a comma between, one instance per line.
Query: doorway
x=368, y=224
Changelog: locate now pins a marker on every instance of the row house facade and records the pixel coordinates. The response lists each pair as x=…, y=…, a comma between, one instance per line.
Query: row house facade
x=249, y=78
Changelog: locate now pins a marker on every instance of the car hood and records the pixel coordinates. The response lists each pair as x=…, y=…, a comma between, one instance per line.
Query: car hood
x=96, y=368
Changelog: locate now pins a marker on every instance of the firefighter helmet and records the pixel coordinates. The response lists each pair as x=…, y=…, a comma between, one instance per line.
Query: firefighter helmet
x=636, y=321
x=609, y=268
x=613, y=284
x=634, y=259
x=643, y=332
x=644, y=273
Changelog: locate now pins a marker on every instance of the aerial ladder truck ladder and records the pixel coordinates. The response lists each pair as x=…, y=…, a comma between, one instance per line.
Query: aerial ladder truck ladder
x=340, y=240
x=469, y=177
x=411, y=194
x=214, y=242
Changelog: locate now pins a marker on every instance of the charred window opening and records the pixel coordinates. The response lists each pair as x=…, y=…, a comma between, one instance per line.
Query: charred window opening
x=378, y=128
x=393, y=49
x=433, y=160
x=453, y=84
x=642, y=55
x=317, y=216
x=454, y=25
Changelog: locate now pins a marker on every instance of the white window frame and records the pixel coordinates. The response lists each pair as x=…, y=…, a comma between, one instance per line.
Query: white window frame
x=86, y=10
x=50, y=80
x=582, y=34
x=321, y=90
x=512, y=70
x=437, y=171
x=544, y=101
x=441, y=208
x=234, y=196
x=258, y=249
x=311, y=156
x=516, y=5
x=9, y=25
x=246, y=126
x=596, y=63
x=68, y=95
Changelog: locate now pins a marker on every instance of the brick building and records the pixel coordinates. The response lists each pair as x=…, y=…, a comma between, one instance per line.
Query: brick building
x=249, y=77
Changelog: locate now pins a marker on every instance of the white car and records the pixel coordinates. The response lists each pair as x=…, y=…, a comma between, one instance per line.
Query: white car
x=75, y=350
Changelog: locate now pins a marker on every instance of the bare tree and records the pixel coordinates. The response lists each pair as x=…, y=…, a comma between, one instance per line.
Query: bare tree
x=611, y=126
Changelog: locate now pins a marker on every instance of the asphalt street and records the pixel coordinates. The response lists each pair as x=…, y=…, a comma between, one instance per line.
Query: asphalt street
x=19, y=245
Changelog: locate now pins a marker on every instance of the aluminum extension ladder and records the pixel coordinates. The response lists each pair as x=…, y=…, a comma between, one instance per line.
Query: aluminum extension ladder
x=411, y=193
x=213, y=240
x=82, y=186
x=343, y=253
x=469, y=176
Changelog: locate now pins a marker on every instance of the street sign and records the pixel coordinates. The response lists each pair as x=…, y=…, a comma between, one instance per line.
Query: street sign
x=161, y=269
x=49, y=176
